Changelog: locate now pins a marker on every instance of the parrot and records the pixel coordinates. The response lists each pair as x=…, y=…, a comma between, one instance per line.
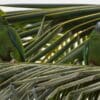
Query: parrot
x=92, y=49
x=10, y=44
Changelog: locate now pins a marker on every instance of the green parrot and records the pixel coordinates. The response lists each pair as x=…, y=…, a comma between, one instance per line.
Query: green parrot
x=10, y=43
x=92, y=49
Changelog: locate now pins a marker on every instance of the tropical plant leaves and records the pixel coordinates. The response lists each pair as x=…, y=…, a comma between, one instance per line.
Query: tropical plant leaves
x=51, y=34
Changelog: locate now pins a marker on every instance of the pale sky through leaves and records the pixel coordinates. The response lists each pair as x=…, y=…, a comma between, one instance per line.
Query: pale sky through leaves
x=51, y=1
x=46, y=2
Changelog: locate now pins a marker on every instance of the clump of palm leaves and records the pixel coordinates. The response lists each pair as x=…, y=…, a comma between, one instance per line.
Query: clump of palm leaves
x=51, y=34
x=54, y=34
x=48, y=82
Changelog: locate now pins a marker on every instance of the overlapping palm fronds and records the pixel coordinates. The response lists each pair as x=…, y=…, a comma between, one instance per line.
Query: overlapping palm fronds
x=49, y=82
x=54, y=32
x=51, y=34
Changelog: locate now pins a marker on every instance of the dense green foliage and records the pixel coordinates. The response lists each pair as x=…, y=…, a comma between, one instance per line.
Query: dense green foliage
x=51, y=34
x=54, y=32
